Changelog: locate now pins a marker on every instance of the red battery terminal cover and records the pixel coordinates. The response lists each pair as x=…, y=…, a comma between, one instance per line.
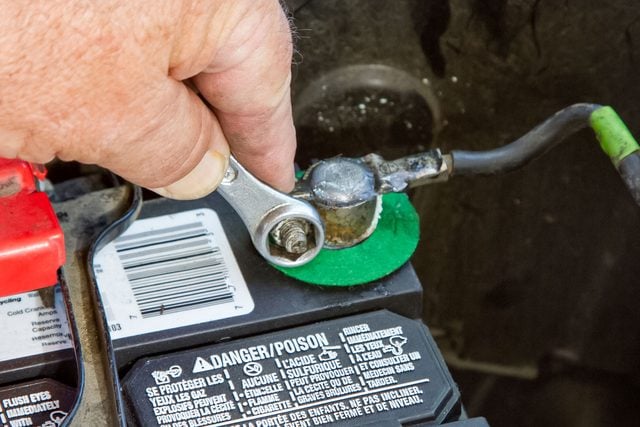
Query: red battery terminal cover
x=31, y=240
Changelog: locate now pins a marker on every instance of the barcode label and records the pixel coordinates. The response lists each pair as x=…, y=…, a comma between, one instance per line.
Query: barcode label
x=165, y=266
x=174, y=269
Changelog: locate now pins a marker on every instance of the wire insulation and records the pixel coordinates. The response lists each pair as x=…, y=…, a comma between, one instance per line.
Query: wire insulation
x=629, y=169
x=530, y=146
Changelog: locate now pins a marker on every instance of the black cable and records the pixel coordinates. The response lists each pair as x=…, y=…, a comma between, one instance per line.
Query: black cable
x=107, y=235
x=77, y=349
x=629, y=169
x=530, y=146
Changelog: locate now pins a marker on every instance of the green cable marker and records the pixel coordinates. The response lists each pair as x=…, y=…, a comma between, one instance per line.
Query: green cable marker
x=614, y=136
x=616, y=140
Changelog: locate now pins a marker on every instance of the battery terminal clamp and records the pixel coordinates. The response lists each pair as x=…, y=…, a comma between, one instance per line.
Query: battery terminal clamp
x=31, y=240
x=347, y=192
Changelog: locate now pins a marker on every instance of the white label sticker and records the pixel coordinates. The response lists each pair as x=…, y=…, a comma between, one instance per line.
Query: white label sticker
x=164, y=266
x=29, y=328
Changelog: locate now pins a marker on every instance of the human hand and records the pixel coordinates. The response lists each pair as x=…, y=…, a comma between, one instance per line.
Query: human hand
x=103, y=82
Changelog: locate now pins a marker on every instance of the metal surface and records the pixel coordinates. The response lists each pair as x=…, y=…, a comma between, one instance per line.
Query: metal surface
x=341, y=181
x=266, y=212
x=407, y=172
x=292, y=236
x=343, y=190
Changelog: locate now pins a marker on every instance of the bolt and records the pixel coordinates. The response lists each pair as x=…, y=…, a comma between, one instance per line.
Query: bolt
x=293, y=235
x=229, y=175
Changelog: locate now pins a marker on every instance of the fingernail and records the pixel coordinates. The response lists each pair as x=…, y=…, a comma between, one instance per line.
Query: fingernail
x=201, y=181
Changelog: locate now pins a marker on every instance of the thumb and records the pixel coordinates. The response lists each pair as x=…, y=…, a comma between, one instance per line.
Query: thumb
x=180, y=152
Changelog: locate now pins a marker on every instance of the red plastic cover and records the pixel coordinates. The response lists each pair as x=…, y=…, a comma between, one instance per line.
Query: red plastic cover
x=31, y=240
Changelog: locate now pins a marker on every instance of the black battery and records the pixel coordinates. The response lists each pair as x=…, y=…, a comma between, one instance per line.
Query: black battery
x=376, y=367
x=169, y=284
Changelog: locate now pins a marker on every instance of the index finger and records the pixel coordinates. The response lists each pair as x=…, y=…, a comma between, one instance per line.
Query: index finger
x=248, y=85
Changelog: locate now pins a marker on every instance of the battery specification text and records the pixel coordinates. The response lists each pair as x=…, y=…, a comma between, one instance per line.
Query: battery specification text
x=30, y=327
x=327, y=376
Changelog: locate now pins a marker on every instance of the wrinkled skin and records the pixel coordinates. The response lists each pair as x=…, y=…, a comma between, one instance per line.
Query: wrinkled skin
x=113, y=83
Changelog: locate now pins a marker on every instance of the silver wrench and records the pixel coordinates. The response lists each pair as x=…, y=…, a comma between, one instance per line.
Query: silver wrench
x=285, y=231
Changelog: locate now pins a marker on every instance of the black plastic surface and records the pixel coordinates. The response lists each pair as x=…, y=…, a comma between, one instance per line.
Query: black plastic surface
x=280, y=301
x=471, y=422
x=352, y=371
x=56, y=364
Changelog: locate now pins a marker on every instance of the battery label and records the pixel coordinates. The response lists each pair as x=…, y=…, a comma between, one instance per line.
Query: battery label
x=347, y=371
x=165, y=266
x=43, y=403
x=30, y=328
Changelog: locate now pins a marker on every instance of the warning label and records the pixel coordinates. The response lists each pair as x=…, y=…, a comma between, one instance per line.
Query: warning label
x=31, y=328
x=39, y=403
x=343, y=372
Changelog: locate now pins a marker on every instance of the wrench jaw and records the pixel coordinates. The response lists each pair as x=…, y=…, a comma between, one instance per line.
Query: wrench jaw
x=286, y=231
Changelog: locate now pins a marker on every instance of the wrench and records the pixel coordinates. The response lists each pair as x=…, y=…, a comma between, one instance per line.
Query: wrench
x=286, y=231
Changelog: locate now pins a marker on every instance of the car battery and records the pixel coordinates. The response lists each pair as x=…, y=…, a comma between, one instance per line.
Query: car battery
x=37, y=363
x=374, y=368
x=185, y=274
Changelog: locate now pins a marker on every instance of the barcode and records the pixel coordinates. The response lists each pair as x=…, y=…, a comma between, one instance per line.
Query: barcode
x=174, y=269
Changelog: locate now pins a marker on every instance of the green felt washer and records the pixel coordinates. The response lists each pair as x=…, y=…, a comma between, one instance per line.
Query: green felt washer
x=387, y=249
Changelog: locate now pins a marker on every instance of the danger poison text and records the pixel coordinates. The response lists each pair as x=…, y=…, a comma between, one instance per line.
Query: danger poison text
x=271, y=350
